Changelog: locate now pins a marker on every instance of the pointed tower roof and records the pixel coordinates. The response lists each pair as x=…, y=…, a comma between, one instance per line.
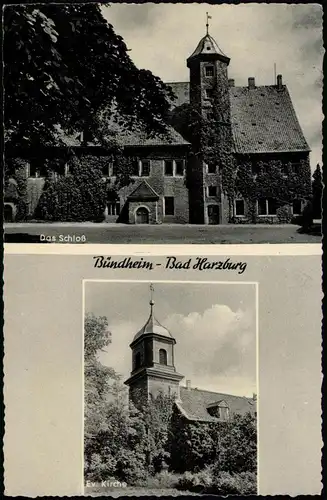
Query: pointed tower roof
x=208, y=47
x=152, y=326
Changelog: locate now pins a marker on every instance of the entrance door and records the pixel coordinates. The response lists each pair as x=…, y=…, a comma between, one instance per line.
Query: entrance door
x=8, y=213
x=213, y=214
x=142, y=216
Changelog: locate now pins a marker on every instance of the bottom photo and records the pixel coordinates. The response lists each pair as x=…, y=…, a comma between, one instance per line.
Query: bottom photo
x=170, y=388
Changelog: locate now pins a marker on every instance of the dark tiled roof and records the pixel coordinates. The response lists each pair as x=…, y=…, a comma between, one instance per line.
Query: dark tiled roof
x=144, y=192
x=138, y=137
x=263, y=119
x=194, y=402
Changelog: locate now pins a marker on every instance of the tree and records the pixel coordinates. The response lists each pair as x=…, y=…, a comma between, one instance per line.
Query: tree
x=64, y=66
x=317, y=192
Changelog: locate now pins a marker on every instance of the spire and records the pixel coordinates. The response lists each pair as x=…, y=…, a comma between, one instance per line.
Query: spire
x=207, y=25
x=151, y=299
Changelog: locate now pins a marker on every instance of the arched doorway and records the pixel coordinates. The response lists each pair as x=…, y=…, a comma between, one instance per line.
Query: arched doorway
x=142, y=216
x=8, y=213
x=213, y=214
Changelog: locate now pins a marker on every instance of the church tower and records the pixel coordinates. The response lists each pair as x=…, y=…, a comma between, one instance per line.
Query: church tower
x=153, y=366
x=210, y=100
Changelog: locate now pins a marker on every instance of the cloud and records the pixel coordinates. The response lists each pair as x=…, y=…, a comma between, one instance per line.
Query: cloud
x=215, y=348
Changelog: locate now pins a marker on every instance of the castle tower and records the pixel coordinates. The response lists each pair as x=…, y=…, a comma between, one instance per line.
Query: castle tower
x=153, y=368
x=209, y=98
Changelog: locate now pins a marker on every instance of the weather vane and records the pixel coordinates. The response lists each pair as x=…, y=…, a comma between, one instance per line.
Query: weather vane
x=207, y=25
x=151, y=295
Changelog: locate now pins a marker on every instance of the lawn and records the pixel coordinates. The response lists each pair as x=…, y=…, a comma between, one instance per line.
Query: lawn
x=157, y=234
x=137, y=491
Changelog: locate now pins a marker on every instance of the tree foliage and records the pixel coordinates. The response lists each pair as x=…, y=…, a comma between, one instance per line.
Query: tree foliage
x=317, y=187
x=65, y=65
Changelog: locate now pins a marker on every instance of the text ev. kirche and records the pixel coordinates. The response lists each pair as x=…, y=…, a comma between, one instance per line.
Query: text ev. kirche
x=171, y=262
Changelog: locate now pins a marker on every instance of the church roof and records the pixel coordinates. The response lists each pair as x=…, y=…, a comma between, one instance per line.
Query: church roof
x=194, y=403
x=152, y=326
x=263, y=119
x=207, y=45
x=143, y=192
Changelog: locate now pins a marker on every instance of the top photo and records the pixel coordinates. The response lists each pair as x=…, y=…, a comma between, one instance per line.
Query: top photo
x=163, y=123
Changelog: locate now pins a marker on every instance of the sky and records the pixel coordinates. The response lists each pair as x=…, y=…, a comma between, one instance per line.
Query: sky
x=214, y=326
x=255, y=36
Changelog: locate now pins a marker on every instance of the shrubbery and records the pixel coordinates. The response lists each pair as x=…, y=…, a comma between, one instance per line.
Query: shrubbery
x=219, y=483
x=79, y=196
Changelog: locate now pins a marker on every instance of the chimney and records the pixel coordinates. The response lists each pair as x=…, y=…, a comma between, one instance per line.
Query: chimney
x=251, y=82
x=231, y=82
x=254, y=396
x=279, y=82
x=188, y=385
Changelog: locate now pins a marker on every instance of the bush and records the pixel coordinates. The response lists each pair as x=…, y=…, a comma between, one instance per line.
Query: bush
x=196, y=481
x=244, y=483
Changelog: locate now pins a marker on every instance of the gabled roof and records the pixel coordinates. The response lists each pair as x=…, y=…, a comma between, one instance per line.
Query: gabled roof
x=143, y=192
x=138, y=137
x=194, y=403
x=263, y=119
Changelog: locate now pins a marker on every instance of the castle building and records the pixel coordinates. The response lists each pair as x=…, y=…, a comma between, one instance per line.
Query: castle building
x=252, y=167
x=154, y=372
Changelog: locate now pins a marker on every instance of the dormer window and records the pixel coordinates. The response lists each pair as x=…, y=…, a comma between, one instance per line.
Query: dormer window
x=219, y=409
x=209, y=70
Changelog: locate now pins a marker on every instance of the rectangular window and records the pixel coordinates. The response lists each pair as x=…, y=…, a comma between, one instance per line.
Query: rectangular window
x=33, y=169
x=145, y=168
x=209, y=70
x=106, y=170
x=169, y=168
x=211, y=168
x=179, y=167
x=297, y=207
x=239, y=208
x=262, y=206
x=272, y=206
x=212, y=190
x=169, y=205
x=267, y=206
x=114, y=208
x=208, y=93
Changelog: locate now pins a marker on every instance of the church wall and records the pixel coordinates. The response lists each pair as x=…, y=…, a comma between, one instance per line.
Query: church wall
x=160, y=385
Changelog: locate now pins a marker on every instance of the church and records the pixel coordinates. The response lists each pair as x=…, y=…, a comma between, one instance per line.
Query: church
x=154, y=372
x=246, y=162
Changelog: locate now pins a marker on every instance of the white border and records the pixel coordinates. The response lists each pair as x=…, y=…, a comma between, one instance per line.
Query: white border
x=255, y=283
x=261, y=249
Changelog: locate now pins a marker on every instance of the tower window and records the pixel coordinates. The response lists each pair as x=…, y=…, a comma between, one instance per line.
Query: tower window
x=169, y=205
x=208, y=93
x=179, y=170
x=162, y=356
x=169, y=167
x=137, y=361
x=211, y=168
x=212, y=190
x=209, y=70
x=145, y=168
